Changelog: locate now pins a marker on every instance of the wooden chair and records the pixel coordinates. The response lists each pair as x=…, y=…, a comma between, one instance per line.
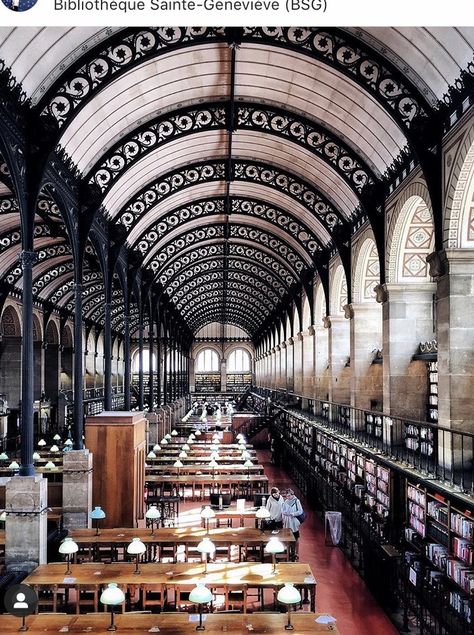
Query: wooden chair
x=87, y=597
x=151, y=597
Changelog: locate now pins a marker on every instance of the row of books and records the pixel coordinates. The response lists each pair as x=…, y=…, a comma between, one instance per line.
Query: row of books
x=416, y=495
x=462, y=525
x=463, y=549
x=438, y=511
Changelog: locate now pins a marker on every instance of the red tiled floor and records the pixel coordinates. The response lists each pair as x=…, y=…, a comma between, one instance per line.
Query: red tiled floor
x=341, y=591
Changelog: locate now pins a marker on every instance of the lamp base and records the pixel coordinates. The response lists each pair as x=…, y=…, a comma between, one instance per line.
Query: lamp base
x=114, y=628
x=200, y=628
x=289, y=627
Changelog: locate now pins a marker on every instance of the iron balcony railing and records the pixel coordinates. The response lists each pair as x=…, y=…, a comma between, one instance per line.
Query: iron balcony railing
x=435, y=451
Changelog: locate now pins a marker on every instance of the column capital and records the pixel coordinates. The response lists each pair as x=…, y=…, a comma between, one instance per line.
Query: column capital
x=327, y=322
x=291, y=341
x=28, y=259
x=299, y=336
x=312, y=329
x=348, y=311
x=451, y=261
x=283, y=345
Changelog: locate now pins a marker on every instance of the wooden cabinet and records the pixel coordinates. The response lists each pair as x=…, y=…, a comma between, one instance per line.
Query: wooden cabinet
x=118, y=442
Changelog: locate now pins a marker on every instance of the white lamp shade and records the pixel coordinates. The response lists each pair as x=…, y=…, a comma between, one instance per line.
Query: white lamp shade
x=239, y=436
x=192, y=435
x=186, y=447
x=68, y=546
x=151, y=455
x=4, y=456
x=190, y=441
x=41, y=443
x=97, y=513
x=289, y=594
x=54, y=448
x=262, y=512
x=174, y=433
x=198, y=433
x=164, y=441
x=183, y=455
x=68, y=442
x=274, y=545
x=14, y=465
x=112, y=595
x=168, y=436
x=156, y=447
x=200, y=594
x=215, y=455
x=177, y=463
x=36, y=456
x=153, y=513
x=136, y=547
x=206, y=546
x=245, y=455
x=49, y=466
x=248, y=463
x=3, y=517
x=208, y=512
x=56, y=437
x=213, y=447
x=213, y=464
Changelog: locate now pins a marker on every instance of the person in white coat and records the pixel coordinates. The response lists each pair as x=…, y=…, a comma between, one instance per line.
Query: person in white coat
x=290, y=509
x=274, y=505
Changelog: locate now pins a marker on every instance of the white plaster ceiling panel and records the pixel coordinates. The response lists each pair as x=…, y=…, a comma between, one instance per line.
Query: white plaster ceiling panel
x=297, y=160
x=56, y=284
x=37, y=55
x=48, y=265
x=432, y=58
x=175, y=154
x=161, y=84
x=240, y=219
x=322, y=93
x=284, y=202
x=9, y=222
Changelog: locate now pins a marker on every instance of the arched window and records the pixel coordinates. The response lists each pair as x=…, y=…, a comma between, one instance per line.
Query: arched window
x=207, y=361
x=239, y=361
x=146, y=364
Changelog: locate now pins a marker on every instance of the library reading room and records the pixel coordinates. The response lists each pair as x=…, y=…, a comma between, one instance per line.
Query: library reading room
x=236, y=330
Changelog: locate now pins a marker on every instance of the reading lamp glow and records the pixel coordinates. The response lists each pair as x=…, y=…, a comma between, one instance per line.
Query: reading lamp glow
x=262, y=514
x=289, y=595
x=97, y=514
x=136, y=548
x=208, y=513
x=200, y=595
x=152, y=514
x=67, y=548
x=206, y=546
x=112, y=596
x=274, y=546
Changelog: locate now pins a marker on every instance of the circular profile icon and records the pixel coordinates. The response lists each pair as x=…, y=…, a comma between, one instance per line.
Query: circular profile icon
x=20, y=600
x=19, y=5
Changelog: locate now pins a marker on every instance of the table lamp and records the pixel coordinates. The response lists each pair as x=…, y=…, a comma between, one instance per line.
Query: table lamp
x=200, y=595
x=3, y=456
x=164, y=441
x=36, y=456
x=215, y=455
x=192, y=435
x=178, y=465
x=136, y=548
x=3, y=516
x=168, y=437
x=54, y=448
x=183, y=454
x=112, y=596
x=207, y=513
x=68, y=442
x=41, y=443
x=186, y=447
x=262, y=514
x=14, y=466
x=240, y=436
x=156, y=447
x=174, y=433
x=197, y=433
x=67, y=548
x=190, y=441
x=152, y=514
x=274, y=546
x=206, y=546
x=289, y=595
x=49, y=466
x=248, y=464
x=56, y=437
x=213, y=464
x=245, y=455
x=151, y=455
x=97, y=514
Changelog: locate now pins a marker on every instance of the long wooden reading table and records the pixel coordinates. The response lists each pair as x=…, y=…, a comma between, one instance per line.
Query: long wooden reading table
x=232, y=468
x=238, y=484
x=169, y=624
x=118, y=539
x=178, y=577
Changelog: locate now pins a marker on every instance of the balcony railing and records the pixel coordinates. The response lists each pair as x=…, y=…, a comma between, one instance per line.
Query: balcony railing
x=435, y=451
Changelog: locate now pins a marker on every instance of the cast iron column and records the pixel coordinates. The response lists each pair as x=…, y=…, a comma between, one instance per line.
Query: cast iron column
x=150, y=371
x=126, y=354
x=78, y=423
x=27, y=468
x=107, y=359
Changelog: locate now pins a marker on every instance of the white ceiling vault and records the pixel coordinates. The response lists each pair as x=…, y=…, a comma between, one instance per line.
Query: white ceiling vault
x=253, y=152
